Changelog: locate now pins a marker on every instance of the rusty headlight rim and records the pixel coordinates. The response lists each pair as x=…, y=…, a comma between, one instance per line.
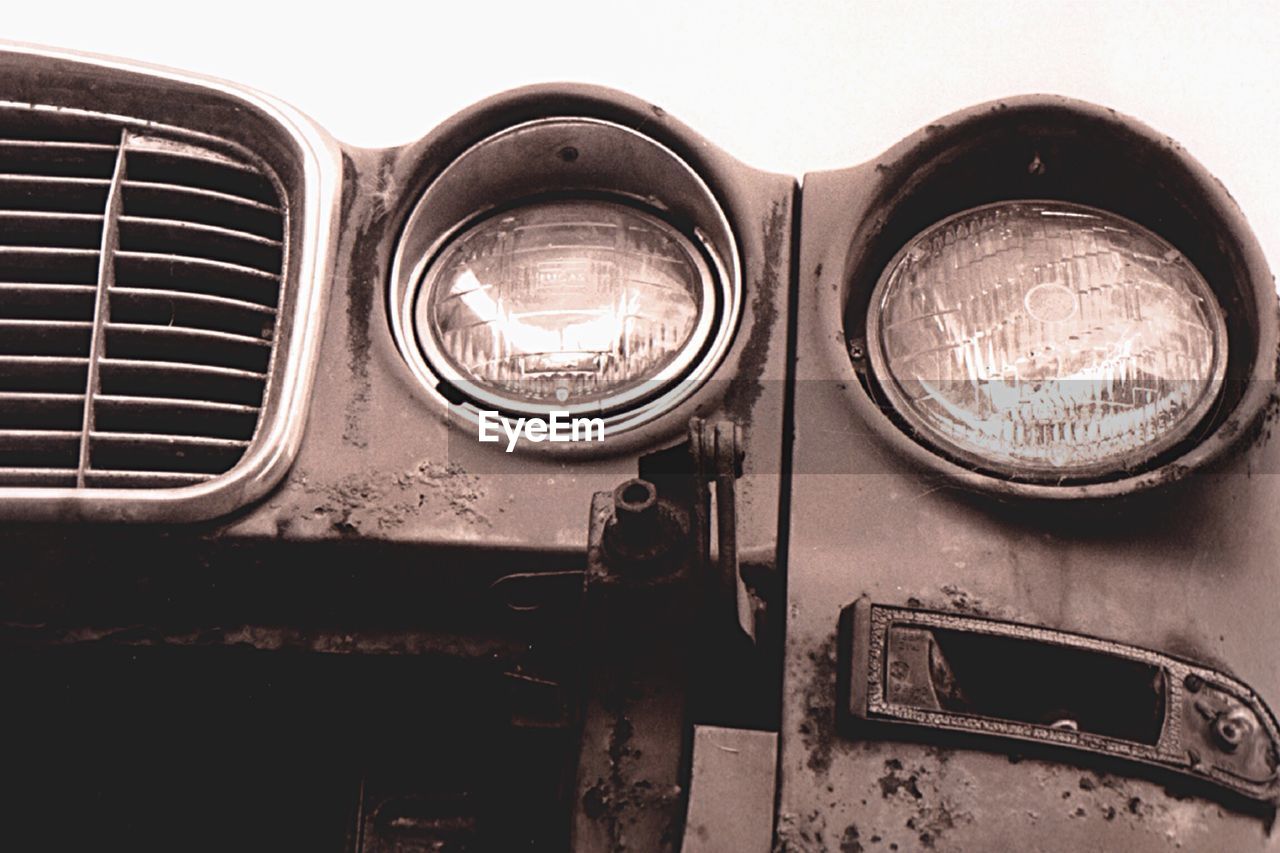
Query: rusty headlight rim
x=893, y=183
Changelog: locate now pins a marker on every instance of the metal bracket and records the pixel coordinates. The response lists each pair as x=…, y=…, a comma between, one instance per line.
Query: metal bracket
x=717, y=455
x=657, y=613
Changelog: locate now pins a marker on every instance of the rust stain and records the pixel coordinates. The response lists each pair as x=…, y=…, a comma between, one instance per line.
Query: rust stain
x=363, y=277
x=850, y=842
x=924, y=791
x=265, y=638
x=818, y=731
x=892, y=782
x=355, y=504
x=745, y=388
x=801, y=833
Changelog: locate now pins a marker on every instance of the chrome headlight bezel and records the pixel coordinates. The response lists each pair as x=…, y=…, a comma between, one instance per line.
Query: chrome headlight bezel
x=567, y=158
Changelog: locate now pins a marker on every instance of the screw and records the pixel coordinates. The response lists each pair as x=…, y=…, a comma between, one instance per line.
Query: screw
x=1193, y=683
x=1228, y=732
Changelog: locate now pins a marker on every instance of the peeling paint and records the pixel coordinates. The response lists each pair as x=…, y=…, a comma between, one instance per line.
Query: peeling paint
x=365, y=504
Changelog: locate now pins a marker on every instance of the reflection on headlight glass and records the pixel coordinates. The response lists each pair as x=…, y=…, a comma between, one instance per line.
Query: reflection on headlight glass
x=1047, y=339
x=566, y=303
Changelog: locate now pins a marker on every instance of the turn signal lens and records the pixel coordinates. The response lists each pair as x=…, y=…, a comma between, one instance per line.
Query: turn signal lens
x=576, y=305
x=1047, y=340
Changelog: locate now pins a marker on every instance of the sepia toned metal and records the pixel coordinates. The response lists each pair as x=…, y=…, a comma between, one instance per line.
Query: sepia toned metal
x=1177, y=559
x=377, y=633
x=122, y=470
x=1212, y=727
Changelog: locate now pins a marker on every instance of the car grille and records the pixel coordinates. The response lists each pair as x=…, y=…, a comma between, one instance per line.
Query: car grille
x=140, y=277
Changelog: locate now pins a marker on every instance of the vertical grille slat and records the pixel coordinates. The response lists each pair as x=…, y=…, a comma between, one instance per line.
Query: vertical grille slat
x=140, y=278
x=102, y=303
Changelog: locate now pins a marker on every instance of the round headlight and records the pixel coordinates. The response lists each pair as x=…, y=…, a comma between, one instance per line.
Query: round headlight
x=1046, y=340
x=571, y=305
x=566, y=264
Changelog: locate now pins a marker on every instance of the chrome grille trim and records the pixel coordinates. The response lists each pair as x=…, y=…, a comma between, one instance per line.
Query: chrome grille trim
x=165, y=248
x=102, y=303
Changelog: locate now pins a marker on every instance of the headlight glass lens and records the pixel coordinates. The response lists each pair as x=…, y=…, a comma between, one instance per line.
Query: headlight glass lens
x=567, y=305
x=1047, y=340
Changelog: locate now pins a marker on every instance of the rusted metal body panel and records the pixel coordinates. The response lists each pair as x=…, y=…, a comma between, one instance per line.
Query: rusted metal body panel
x=397, y=538
x=408, y=492
x=382, y=461
x=1186, y=568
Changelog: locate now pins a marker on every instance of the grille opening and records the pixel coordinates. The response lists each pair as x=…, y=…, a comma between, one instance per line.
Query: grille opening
x=163, y=453
x=196, y=346
x=208, y=173
x=45, y=301
x=174, y=417
x=170, y=272
x=170, y=379
x=168, y=237
x=47, y=450
x=168, y=201
x=45, y=265
x=43, y=373
x=139, y=360
x=19, y=410
x=49, y=126
x=66, y=195
x=45, y=337
x=195, y=310
x=63, y=230
x=60, y=159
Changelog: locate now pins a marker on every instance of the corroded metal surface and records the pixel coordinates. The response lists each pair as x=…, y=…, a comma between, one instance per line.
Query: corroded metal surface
x=1186, y=568
x=1209, y=726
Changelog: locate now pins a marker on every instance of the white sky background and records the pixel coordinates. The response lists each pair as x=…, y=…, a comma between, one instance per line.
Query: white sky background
x=790, y=87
